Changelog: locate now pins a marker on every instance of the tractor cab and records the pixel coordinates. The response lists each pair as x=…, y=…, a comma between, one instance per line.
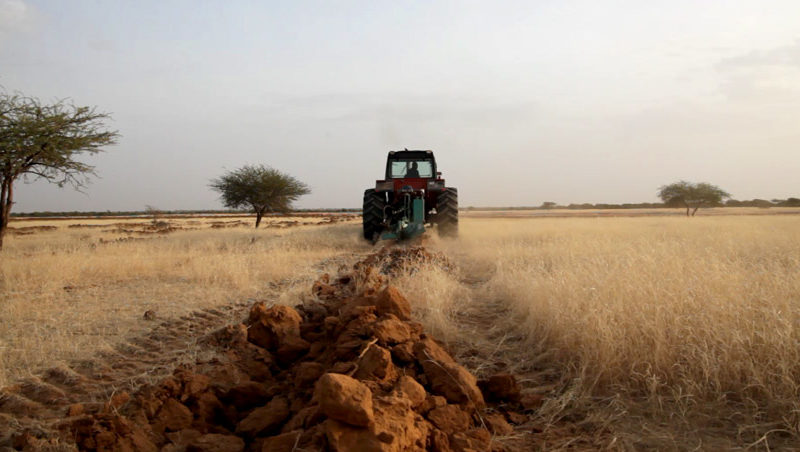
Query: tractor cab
x=410, y=164
x=411, y=171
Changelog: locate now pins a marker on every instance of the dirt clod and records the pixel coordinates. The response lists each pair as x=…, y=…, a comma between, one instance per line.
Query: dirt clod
x=497, y=424
x=308, y=372
x=214, y=442
x=247, y=395
x=272, y=327
x=475, y=439
x=391, y=301
x=376, y=363
x=447, y=377
x=285, y=442
x=391, y=331
x=449, y=419
x=409, y=388
x=344, y=399
x=264, y=419
x=174, y=415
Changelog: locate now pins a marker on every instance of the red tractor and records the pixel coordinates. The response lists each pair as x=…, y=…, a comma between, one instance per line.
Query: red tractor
x=412, y=195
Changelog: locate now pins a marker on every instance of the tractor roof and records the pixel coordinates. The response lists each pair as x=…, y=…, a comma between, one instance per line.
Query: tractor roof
x=415, y=154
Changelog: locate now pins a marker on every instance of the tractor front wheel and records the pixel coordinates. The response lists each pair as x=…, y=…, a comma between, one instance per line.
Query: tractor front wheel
x=372, y=214
x=447, y=212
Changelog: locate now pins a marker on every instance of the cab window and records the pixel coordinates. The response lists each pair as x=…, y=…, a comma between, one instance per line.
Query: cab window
x=404, y=168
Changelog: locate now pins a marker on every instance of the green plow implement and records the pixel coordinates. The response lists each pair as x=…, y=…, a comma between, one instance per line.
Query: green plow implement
x=412, y=223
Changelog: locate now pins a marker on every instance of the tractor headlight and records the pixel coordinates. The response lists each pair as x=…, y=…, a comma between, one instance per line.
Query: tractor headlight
x=384, y=185
x=435, y=185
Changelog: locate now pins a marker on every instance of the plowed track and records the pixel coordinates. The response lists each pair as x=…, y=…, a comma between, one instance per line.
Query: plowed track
x=119, y=400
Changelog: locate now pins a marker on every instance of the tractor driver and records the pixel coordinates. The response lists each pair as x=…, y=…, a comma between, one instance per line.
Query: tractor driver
x=413, y=171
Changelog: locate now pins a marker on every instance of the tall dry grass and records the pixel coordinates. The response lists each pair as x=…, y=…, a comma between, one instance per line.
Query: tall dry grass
x=674, y=330
x=65, y=295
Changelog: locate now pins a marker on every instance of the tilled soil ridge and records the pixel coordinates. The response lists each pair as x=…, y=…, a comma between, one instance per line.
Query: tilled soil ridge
x=349, y=372
x=33, y=404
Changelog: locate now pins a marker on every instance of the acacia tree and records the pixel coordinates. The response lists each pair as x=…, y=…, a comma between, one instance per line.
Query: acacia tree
x=691, y=195
x=260, y=188
x=43, y=141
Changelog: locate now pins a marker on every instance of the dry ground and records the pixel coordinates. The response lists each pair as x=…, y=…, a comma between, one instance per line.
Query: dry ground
x=72, y=292
x=655, y=332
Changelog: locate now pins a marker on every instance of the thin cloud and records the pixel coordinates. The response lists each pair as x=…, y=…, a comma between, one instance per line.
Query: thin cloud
x=15, y=15
x=788, y=55
x=762, y=77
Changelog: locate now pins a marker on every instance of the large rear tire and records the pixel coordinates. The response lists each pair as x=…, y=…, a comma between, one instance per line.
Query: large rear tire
x=447, y=212
x=372, y=214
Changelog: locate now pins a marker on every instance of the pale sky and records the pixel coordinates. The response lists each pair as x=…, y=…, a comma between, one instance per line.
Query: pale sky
x=522, y=102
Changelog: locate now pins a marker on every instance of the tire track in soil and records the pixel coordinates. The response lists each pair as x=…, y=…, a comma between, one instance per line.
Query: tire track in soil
x=492, y=341
x=490, y=344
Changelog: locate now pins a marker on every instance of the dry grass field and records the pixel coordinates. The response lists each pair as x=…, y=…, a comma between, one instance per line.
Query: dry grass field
x=647, y=332
x=666, y=333
x=71, y=292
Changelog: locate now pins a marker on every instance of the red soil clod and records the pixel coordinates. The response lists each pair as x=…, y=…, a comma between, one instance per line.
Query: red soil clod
x=345, y=399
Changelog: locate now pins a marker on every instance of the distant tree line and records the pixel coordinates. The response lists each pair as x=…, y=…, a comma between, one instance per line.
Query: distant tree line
x=117, y=213
x=763, y=203
x=641, y=205
x=788, y=202
x=689, y=195
x=144, y=213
